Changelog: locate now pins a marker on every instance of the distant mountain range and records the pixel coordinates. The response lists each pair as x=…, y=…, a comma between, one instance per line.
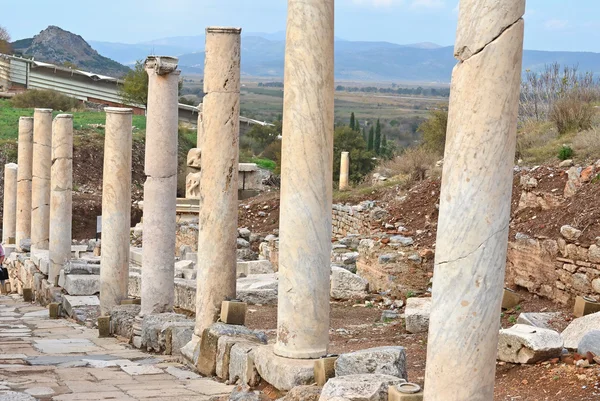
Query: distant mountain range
x=263, y=56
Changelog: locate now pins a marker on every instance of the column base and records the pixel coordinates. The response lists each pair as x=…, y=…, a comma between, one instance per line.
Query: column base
x=287, y=352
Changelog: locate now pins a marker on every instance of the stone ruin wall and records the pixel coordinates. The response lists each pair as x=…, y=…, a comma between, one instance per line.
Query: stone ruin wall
x=350, y=220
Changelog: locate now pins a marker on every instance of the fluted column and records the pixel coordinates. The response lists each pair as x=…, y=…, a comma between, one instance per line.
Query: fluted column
x=116, y=208
x=61, y=198
x=306, y=181
x=25, y=162
x=40, y=183
x=475, y=202
x=217, y=238
x=9, y=214
x=160, y=189
x=344, y=170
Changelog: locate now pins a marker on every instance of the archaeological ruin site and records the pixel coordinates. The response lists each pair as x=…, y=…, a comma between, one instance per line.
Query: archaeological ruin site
x=449, y=290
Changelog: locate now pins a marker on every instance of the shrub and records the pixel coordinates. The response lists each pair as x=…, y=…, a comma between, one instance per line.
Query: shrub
x=434, y=131
x=571, y=114
x=48, y=99
x=414, y=163
x=566, y=152
x=587, y=145
x=536, y=141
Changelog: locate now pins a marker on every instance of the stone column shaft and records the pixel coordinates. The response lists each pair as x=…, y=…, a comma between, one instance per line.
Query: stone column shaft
x=25, y=161
x=344, y=170
x=217, y=238
x=116, y=208
x=160, y=189
x=475, y=202
x=61, y=195
x=9, y=214
x=40, y=183
x=306, y=181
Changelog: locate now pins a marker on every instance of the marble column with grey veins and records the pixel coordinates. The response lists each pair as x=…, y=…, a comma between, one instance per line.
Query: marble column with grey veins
x=116, y=208
x=40, y=182
x=25, y=161
x=9, y=213
x=344, y=170
x=160, y=189
x=306, y=182
x=61, y=195
x=217, y=237
x=475, y=202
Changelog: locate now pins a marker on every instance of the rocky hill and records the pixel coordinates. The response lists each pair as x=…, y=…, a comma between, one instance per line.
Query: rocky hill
x=57, y=46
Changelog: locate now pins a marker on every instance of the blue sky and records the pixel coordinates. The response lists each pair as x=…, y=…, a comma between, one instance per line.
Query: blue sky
x=572, y=25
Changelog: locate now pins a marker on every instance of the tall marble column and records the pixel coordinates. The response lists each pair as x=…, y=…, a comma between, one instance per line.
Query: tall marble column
x=344, y=170
x=9, y=214
x=61, y=195
x=160, y=189
x=25, y=162
x=116, y=208
x=40, y=182
x=200, y=129
x=472, y=241
x=306, y=181
x=217, y=237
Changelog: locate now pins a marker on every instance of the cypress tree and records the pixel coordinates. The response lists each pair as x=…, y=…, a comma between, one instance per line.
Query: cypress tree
x=384, y=144
x=371, y=138
x=377, y=145
x=352, y=122
x=365, y=137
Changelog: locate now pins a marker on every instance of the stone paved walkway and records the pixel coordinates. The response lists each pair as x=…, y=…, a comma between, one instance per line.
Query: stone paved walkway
x=44, y=359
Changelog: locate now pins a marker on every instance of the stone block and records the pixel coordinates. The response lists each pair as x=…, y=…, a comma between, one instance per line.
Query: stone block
x=82, y=284
x=103, y=326
x=224, y=345
x=122, y=318
x=207, y=351
x=542, y=319
x=27, y=295
x=578, y=328
x=389, y=361
x=359, y=388
x=510, y=299
x=590, y=343
x=71, y=303
x=585, y=306
x=54, y=310
x=131, y=301
x=233, y=312
x=255, y=267
x=527, y=344
x=347, y=285
x=283, y=373
x=417, y=314
x=258, y=289
x=242, y=369
x=405, y=392
x=177, y=335
x=153, y=326
x=324, y=369
x=303, y=393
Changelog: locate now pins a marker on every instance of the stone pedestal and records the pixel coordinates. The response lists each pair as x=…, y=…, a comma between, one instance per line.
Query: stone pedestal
x=9, y=214
x=116, y=208
x=160, y=189
x=217, y=237
x=306, y=182
x=40, y=182
x=344, y=171
x=472, y=241
x=61, y=198
x=25, y=161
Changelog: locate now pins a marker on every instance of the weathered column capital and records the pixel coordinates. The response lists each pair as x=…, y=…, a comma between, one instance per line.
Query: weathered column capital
x=162, y=65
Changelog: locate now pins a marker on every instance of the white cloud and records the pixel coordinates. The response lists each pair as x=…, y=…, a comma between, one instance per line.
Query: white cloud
x=428, y=4
x=556, y=24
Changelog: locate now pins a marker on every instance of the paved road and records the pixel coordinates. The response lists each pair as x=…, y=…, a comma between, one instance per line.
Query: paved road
x=44, y=359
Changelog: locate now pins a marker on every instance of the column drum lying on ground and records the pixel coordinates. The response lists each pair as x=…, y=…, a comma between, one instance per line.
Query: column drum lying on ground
x=25, y=162
x=61, y=198
x=9, y=214
x=40, y=182
x=306, y=181
x=475, y=202
x=116, y=208
x=217, y=237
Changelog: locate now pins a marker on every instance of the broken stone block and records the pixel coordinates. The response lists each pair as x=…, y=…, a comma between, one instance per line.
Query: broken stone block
x=122, y=318
x=152, y=336
x=347, y=285
x=541, y=320
x=233, y=312
x=303, y=393
x=417, y=314
x=359, y=388
x=224, y=345
x=578, y=328
x=242, y=369
x=208, y=348
x=177, y=335
x=510, y=299
x=103, y=326
x=258, y=289
x=255, y=267
x=82, y=284
x=527, y=344
x=590, y=343
x=389, y=361
x=283, y=373
x=405, y=392
x=71, y=304
x=585, y=306
x=324, y=369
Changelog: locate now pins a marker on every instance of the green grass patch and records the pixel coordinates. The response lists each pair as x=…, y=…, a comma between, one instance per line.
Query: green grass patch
x=264, y=163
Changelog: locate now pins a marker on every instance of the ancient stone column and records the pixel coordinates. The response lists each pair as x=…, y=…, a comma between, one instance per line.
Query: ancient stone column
x=306, y=182
x=475, y=202
x=160, y=189
x=25, y=161
x=40, y=182
x=217, y=238
x=61, y=198
x=116, y=208
x=344, y=170
x=200, y=128
x=9, y=214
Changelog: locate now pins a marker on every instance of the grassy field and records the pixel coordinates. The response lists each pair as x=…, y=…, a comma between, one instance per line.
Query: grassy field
x=9, y=119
